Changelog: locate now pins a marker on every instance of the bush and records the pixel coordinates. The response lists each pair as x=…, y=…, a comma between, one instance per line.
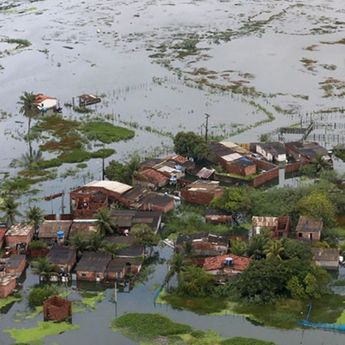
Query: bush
x=39, y=294
x=37, y=245
x=245, y=341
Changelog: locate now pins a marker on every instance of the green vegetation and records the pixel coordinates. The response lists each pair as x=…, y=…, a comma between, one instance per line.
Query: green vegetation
x=106, y=132
x=21, y=43
x=156, y=329
x=37, y=244
x=91, y=299
x=122, y=172
x=4, y=302
x=190, y=144
x=39, y=294
x=38, y=333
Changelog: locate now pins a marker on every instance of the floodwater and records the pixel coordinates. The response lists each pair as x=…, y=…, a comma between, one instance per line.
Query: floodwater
x=95, y=325
x=286, y=56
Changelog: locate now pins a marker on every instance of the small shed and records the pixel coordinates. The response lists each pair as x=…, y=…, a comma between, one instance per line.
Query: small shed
x=19, y=235
x=16, y=264
x=309, y=229
x=56, y=308
x=48, y=231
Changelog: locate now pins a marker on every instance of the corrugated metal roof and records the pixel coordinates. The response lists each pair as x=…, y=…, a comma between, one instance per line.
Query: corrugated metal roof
x=231, y=157
x=113, y=186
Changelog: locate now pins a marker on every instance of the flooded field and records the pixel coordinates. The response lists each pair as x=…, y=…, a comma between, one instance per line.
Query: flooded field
x=159, y=67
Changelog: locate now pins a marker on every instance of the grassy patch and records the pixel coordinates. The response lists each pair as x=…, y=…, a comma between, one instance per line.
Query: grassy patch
x=245, y=341
x=106, y=132
x=90, y=299
x=4, y=302
x=21, y=43
x=38, y=333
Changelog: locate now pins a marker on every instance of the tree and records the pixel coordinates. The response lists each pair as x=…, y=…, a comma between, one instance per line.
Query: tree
x=176, y=265
x=234, y=199
x=191, y=145
x=39, y=294
x=95, y=242
x=144, y=235
x=10, y=208
x=295, y=249
x=43, y=268
x=296, y=288
x=112, y=248
x=104, y=222
x=195, y=282
x=238, y=247
x=317, y=205
x=28, y=109
x=274, y=249
x=256, y=246
x=79, y=242
x=35, y=216
x=117, y=171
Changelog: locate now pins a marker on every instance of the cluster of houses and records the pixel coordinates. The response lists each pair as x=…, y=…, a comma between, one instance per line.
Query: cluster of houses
x=89, y=266
x=213, y=253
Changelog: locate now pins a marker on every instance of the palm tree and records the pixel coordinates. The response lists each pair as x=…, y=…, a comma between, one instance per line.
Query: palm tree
x=28, y=109
x=95, y=242
x=43, y=268
x=10, y=208
x=104, y=222
x=35, y=216
x=79, y=242
x=274, y=249
x=176, y=266
x=145, y=236
x=112, y=248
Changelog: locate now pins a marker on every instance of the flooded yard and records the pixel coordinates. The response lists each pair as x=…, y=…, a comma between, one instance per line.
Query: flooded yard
x=159, y=67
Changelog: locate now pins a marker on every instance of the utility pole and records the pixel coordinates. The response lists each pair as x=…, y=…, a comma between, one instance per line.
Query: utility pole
x=206, y=126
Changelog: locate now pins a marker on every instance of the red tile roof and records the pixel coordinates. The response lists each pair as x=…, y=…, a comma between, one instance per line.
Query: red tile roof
x=178, y=159
x=40, y=98
x=154, y=176
x=240, y=263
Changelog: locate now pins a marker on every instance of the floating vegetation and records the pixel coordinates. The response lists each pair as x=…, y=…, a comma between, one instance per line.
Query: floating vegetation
x=330, y=87
x=91, y=299
x=38, y=333
x=21, y=43
x=309, y=64
x=5, y=302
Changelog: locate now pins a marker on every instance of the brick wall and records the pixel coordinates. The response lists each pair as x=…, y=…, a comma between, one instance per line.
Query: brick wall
x=198, y=197
x=6, y=290
x=57, y=309
x=12, y=241
x=89, y=276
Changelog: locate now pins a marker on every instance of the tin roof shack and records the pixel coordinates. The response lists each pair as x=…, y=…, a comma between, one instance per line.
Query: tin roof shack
x=203, y=244
x=214, y=216
x=92, y=266
x=202, y=192
x=151, y=178
x=16, y=265
x=278, y=225
x=225, y=265
x=89, y=199
x=309, y=229
x=129, y=249
x=125, y=219
x=19, y=236
x=85, y=100
x=327, y=258
x=274, y=151
x=56, y=308
x=7, y=284
x=83, y=227
x=205, y=173
x=306, y=151
x=48, y=231
x=63, y=258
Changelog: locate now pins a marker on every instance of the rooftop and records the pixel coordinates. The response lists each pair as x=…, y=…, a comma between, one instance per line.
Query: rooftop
x=49, y=228
x=15, y=260
x=276, y=148
x=7, y=278
x=325, y=254
x=128, y=218
x=132, y=249
x=240, y=263
x=154, y=175
x=60, y=255
x=93, y=262
x=112, y=186
x=265, y=222
x=243, y=162
x=20, y=229
x=231, y=157
x=83, y=226
x=157, y=199
x=205, y=173
x=307, y=224
x=204, y=186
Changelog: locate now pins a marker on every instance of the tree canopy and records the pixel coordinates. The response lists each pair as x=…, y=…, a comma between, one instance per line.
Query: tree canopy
x=122, y=172
x=190, y=144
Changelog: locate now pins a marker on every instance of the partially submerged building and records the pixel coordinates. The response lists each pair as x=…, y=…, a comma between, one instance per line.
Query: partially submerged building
x=16, y=265
x=63, y=258
x=7, y=284
x=201, y=192
x=92, y=266
x=56, y=308
x=53, y=231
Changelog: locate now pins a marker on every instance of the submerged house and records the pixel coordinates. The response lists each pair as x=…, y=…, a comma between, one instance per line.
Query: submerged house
x=309, y=229
x=16, y=265
x=56, y=308
x=45, y=103
x=278, y=225
x=7, y=284
x=63, y=258
x=92, y=266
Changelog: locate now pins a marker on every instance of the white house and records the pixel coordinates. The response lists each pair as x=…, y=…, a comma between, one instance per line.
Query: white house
x=272, y=151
